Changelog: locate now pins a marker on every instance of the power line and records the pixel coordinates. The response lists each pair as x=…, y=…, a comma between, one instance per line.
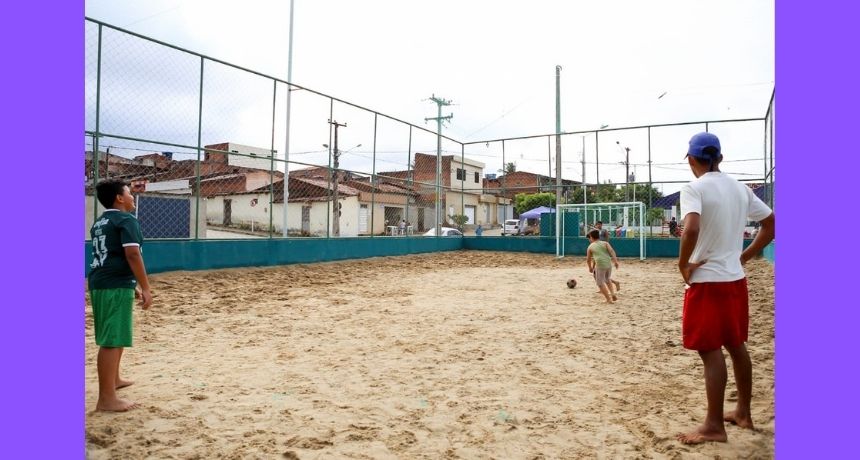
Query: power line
x=503, y=115
x=146, y=18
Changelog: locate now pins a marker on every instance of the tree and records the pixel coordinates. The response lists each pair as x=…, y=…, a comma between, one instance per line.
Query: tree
x=525, y=201
x=460, y=220
x=510, y=168
x=614, y=193
x=655, y=216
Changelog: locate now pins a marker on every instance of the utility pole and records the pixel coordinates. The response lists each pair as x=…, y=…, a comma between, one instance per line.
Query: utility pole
x=549, y=159
x=584, y=188
x=439, y=119
x=626, y=164
x=627, y=174
x=335, y=181
x=557, y=135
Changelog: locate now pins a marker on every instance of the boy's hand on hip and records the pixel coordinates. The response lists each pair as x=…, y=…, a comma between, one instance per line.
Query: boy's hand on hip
x=746, y=258
x=688, y=269
x=145, y=299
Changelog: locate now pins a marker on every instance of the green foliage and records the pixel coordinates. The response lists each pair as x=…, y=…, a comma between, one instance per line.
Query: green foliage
x=460, y=220
x=510, y=168
x=525, y=201
x=655, y=216
x=614, y=193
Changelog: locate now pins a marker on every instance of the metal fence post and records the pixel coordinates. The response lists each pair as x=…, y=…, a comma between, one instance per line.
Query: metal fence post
x=199, y=142
x=272, y=167
x=97, y=133
x=409, y=173
x=373, y=183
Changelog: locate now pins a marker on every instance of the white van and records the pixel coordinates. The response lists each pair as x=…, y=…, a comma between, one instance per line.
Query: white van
x=511, y=227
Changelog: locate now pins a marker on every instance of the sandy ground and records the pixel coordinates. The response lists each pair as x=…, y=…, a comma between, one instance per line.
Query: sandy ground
x=465, y=354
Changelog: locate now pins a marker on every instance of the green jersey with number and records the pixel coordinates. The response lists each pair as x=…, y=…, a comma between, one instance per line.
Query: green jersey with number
x=110, y=234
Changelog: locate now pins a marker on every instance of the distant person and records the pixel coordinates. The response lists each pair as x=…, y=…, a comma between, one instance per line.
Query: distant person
x=403, y=227
x=673, y=227
x=604, y=236
x=715, y=210
x=479, y=230
x=117, y=275
x=600, y=257
x=604, y=233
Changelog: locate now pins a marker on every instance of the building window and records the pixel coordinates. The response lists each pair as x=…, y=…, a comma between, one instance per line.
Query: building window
x=461, y=174
x=477, y=177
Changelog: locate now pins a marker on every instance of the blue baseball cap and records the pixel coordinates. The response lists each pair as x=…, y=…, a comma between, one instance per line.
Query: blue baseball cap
x=702, y=141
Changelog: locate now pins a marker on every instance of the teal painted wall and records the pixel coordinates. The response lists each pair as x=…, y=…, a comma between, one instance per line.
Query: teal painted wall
x=169, y=255
x=572, y=246
x=547, y=223
x=627, y=247
x=770, y=252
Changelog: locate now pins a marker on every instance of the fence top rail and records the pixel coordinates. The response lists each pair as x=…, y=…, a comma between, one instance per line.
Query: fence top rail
x=238, y=67
x=622, y=128
x=383, y=174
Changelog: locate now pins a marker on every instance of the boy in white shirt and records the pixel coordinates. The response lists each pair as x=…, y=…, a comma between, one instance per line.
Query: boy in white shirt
x=715, y=209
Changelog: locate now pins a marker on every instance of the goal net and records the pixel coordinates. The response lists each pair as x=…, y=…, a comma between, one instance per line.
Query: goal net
x=625, y=221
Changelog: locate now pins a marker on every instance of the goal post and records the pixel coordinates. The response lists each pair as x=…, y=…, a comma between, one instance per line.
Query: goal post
x=623, y=220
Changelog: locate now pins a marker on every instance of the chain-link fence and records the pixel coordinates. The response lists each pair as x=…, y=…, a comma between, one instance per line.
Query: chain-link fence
x=209, y=153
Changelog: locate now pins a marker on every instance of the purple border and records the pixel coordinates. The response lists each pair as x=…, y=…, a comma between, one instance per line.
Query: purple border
x=816, y=107
x=43, y=388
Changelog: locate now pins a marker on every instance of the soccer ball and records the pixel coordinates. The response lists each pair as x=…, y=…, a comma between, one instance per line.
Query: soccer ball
x=571, y=283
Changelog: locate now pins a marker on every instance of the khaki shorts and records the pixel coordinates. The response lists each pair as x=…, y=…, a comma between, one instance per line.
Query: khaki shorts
x=602, y=275
x=112, y=315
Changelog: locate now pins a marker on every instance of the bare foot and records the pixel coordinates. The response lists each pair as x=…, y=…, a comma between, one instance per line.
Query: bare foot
x=614, y=297
x=743, y=422
x=703, y=434
x=117, y=405
x=617, y=285
x=123, y=383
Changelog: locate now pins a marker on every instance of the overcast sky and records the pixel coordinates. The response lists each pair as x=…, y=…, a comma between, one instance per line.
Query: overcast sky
x=624, y=63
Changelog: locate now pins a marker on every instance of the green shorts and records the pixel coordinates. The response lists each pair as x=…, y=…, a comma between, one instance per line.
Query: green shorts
x=112, y=310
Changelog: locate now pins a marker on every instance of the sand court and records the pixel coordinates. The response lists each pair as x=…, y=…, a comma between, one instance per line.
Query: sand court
x=463, y=354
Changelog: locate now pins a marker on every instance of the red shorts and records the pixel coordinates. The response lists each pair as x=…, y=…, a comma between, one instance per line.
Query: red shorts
x=716, y=315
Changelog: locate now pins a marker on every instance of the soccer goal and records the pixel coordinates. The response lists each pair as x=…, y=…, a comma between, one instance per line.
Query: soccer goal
x=622, y=220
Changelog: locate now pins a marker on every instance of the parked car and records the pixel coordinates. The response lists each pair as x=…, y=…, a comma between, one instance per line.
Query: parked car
x=511, y=227
x=446, y=231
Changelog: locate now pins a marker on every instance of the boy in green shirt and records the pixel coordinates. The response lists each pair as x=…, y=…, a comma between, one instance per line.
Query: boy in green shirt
x=600, y=256
x=117, y=275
